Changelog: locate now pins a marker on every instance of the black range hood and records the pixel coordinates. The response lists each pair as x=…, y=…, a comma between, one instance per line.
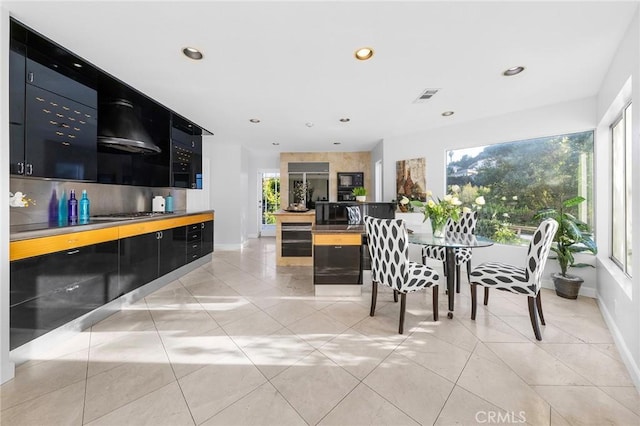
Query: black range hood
x=119, y=129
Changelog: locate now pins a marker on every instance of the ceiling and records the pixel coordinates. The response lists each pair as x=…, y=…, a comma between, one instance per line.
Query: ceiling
x=292, y=63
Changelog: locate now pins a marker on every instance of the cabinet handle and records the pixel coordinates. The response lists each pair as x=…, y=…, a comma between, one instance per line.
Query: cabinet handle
x=194, y=236
x=193, y=144
x=20, y=168
x=30, y=77
x=338, y=247
x=29, y=169
x=70, y=289
x=159, y=235
x=202, y=226
x=73, y=252
x=194, y=246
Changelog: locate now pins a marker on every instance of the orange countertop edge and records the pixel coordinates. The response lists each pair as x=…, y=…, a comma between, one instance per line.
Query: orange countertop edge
x=108, y=231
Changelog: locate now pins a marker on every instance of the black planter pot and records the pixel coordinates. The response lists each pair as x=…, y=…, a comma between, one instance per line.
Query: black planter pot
x=567, y=286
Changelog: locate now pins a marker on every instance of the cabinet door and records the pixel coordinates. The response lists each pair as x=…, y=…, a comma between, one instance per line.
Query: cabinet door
x=207, y=237
x=337, y=264
x=61, y=136
x=173, y=249
x=16, y=107
x=50, y=290
x=138, y=261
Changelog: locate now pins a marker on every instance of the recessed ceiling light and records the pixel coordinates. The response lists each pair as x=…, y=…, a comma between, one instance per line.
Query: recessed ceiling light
x=192, y=53
x=364, y=53
x=275, y=143
x=513, y=71
x=309, y=124
x=345, y=120
x=77, y=65
x=337, y=143
x=447, y=113
x=254, y=120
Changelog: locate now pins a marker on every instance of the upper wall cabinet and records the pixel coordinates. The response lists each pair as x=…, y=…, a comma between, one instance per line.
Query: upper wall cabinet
x=72, y=121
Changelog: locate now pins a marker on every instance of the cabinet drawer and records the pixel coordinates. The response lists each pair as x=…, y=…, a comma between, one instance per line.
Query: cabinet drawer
x=338, y=264
x=194, y=227
x=193, y=247
x=337, y=239
x=194, y=236
x=39, y=246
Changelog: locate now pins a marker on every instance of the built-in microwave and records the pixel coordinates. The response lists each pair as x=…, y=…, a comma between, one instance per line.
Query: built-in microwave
x=346, y=182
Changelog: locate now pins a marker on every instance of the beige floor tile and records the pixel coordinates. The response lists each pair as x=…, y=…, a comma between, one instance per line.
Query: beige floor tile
x=140, y=348
x=557, y=419
x=215, y=287
x=609, y=349
x=163, y=407
x=465, y=408
x=198, y=276
x=625, y=395
x=589, y=329
x=227, y=309
x=74, y=342
x=492, y=329
x=192, y=350
x=60, y=407
x=176, y=321
x=356, y=353
x=482, y=350
x=550, y=333
x=418, y=392
x=43, y=378
x=587, y=405
x=501, y=387
x=536, y=366
x=276, y=352
x=289, y=311
x=121, y=385
x=348, y=313
x=314, y=386
x=434, y=354
x=381, y=329
x=215, y=387
x=590, y=363
x=317, y=328
x=263, y=406
x=365, y=407
x=245, y=330
x=451, y=331
x=131, y=319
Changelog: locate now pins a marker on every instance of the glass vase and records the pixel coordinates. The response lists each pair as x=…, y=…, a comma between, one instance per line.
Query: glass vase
x=437, y=226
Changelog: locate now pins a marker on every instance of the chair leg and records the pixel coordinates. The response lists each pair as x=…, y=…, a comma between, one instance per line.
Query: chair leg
x=457, y=278
x=395, y=296
x=434, y=289
x=534, y=317
x=403, y=308
x=486, y=296
x=469, y=271
x=374, y=297
x=474, y=290
x=444, y=271
x=539, y=306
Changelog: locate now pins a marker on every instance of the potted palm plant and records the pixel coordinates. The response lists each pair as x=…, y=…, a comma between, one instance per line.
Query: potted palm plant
x=573, y=236
x=360, y=193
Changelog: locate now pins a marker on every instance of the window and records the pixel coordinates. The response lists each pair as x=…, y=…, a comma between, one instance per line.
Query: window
x=621, y=191
x=519, y=178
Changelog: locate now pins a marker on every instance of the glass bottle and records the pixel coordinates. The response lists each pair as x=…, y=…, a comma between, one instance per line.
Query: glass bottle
x=73, y=208
x=83, y=207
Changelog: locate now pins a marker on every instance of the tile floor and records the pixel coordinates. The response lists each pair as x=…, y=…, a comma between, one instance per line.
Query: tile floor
x=241, y=342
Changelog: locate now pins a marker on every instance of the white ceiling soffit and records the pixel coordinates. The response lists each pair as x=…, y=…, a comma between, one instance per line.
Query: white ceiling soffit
x=289, y=63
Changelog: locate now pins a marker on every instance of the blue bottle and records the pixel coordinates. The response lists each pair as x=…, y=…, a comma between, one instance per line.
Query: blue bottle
x=73, y=208
x=83, y=207
x=63, y=209
x=53, y=209
x=168, y=204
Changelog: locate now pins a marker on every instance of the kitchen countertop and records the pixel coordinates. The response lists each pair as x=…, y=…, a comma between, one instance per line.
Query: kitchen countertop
x=338, y=229
x=38, y=230
x=282, y=212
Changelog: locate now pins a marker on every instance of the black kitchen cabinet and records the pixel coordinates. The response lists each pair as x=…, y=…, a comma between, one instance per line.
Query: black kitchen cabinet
x=17, y=70
x=199, y=240
x=186, y=154
x=172, y=249
x=50, y=290
x=337, y=259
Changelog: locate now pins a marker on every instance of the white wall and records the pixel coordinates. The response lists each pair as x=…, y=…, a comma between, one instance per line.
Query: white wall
x=227, y=189
x=377, y=154
x=619, y=295
x=6, y=366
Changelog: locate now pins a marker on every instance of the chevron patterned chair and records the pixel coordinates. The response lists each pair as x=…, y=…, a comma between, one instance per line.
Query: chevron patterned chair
x=467, y=225
x=390, y=264
x=520, y=280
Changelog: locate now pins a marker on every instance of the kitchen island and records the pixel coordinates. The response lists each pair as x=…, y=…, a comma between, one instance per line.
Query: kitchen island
x=293, y=237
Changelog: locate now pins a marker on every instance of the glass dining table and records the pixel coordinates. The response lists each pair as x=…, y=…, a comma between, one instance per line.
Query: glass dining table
x=450, y=241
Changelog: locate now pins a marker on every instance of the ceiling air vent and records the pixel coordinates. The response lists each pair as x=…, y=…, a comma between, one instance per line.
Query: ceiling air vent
x=426, y=95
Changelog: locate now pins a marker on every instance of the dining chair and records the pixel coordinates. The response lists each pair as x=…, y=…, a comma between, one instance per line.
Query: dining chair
x=390, y=264
x=467, y=225
x=520, y=280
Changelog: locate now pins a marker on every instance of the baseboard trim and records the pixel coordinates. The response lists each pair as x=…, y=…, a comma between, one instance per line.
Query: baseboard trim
x=625, y=354
x=584, y=291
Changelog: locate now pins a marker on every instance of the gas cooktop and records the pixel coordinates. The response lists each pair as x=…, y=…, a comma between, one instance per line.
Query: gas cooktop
x=128, y=215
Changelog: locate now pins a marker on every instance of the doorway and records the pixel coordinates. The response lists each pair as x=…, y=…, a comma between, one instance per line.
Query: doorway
x=269, y=202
